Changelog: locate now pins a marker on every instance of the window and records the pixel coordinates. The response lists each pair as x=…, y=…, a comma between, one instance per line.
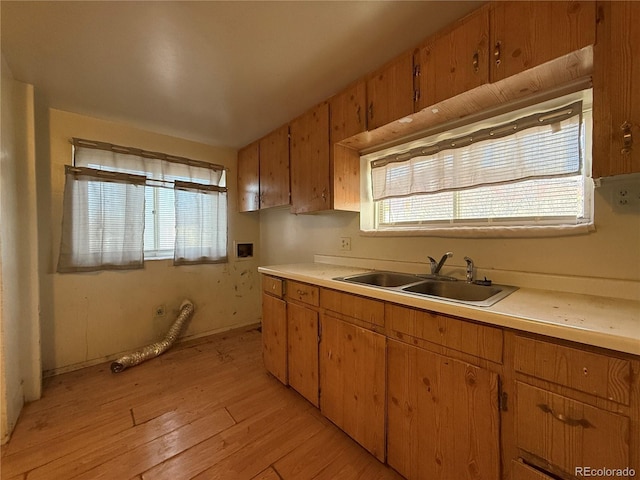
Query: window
x=526, y=169
x=182, y=205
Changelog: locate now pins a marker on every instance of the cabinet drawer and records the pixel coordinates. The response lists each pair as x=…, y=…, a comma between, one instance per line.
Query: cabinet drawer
x=361, y=308
x=303, y=293
x=593, y=373
x=273, y=286
x=472, y=338
x=521, y=471
x=569, y=434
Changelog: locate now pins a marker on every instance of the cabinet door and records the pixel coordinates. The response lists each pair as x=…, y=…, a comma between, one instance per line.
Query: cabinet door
x=456, y=62
x=443, y=419
x=310, y=163
x=352, y=363
x=348, y=112
x=303, y=351
x=568, y=434
x=248, y=178
x=274, y=336
x=274, y=168
x=616, y=101
x=527, y=34
x=390, y=92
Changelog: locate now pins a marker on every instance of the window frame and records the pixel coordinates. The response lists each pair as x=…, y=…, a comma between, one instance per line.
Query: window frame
x=166, y=175
x=505, y=226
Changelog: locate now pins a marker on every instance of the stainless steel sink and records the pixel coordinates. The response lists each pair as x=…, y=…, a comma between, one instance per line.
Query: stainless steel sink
x=383, y=279
x=462, y=291
x=445, y=288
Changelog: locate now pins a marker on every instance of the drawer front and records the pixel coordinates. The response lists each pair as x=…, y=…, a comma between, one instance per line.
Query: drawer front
x=273, y=286
x=520, y=471
x=597, y=374
x=303, y=292
x=569, y=434
x=468, y=337
x=361, y=308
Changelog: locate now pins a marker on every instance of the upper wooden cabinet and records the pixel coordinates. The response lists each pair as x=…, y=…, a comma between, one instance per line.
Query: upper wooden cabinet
x=274, y=168
x=390, y=92
x=348, y=111
x=248, y=178
x=263, y=172
x=455, y=61
x=322, y=178
x=616, y=106
x=527, y=34
x=310, y=172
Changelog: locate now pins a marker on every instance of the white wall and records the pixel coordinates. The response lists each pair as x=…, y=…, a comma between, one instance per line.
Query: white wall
x=611, y=252
x=20, y=374
x=91, y=317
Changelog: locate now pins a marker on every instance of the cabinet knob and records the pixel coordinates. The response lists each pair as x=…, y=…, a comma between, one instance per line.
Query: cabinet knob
x=627, y=138
x=476, y=62
x=497, y=52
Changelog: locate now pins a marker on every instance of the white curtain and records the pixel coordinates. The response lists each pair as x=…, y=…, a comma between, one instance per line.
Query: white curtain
x=201, y=224
x=154, y=168
x=543, y=151
x=103, y=221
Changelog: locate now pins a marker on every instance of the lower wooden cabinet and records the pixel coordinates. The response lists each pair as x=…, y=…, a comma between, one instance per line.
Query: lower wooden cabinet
x=302, y=326
x=274, y=336
x=443, y=419
x=561, y=434
x=352, y=382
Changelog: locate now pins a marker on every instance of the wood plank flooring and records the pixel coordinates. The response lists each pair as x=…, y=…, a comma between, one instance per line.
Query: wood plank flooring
x=207, y=409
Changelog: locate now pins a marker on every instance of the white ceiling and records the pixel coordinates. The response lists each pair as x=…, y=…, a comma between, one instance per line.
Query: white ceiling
x=222, y=73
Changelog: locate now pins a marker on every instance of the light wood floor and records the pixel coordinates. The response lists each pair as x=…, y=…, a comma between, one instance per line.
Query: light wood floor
x=206, y=409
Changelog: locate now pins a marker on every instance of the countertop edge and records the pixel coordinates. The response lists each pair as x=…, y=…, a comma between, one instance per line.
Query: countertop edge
x=487, y=315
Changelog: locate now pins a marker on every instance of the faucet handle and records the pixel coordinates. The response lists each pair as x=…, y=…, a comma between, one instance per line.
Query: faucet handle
x=434, y=265
x=469, y=269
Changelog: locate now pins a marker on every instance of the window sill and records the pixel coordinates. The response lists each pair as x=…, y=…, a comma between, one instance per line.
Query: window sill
x=486, y=232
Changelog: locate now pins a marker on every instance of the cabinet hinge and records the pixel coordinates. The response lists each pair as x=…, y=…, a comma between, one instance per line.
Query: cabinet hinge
x=319, y=332
x=503, y=397
x=416, y=95
x=416, y=70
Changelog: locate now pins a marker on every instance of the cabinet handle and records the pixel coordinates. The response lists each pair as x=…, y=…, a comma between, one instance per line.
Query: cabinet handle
x=358, y=115
x=497, y=53
x=572, y=422
x=324, y=194
x=302, y=293
x=627, y=138
x=476, y=62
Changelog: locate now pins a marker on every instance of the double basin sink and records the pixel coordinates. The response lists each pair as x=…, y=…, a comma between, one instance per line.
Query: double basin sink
x=443, y=288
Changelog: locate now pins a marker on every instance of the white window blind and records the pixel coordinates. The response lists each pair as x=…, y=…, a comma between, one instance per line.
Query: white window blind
x=103, y=221
x=527, y=170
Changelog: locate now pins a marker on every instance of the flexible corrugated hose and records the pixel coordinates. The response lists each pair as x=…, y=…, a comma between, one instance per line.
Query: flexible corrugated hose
x=158, y=348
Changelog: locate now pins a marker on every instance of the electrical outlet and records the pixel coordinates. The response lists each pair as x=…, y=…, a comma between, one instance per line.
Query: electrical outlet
x=159, y=311
x=627, y=195
x=345, y=243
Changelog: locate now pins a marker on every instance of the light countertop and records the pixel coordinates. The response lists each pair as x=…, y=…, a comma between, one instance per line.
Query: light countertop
x=598, y=321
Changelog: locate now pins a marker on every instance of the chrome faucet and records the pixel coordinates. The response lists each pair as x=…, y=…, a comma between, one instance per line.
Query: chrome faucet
x=435, y=267
x=469, y=269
